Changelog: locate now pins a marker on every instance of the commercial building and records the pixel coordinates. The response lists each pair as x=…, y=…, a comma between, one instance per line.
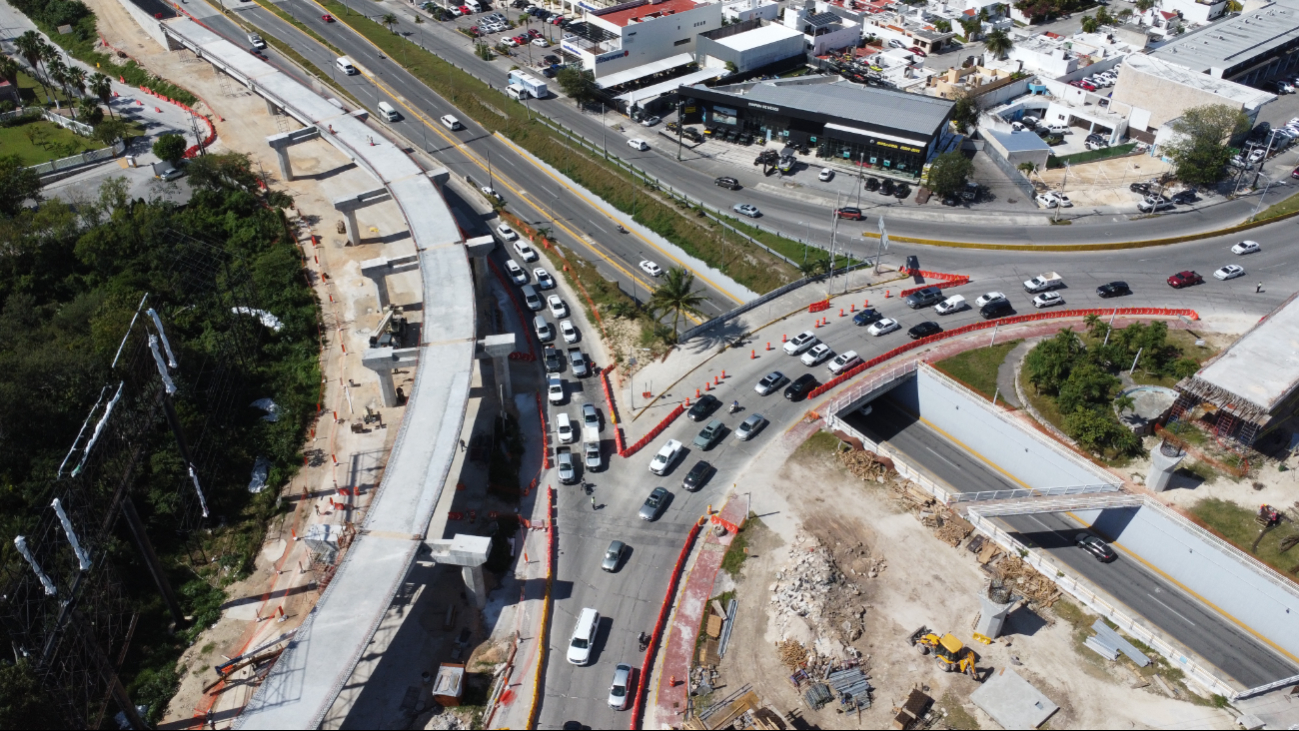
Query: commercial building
x=888, y=131
x=748, y=45
x=1195, y=11
x=741, y=10
x=1157, y=92
x=1246, y=48
x=824, y=31
x=655, y=37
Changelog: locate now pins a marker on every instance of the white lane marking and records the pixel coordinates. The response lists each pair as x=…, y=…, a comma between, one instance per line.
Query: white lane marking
x=1174, y=611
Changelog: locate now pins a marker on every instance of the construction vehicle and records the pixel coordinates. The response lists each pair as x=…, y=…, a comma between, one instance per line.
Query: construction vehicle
x=950, y=653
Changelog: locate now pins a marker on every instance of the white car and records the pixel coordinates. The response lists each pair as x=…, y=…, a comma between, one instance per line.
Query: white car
x=663, y=461
x=826, y=175
x=1047, y=299
x=491, y=194
x=800, y=342
x=554, y=389
x=883, y=327
x=568, y=331
x=745, y=209
x=989, y=298
x=1257, y=155
x=637, y=143
x=1062, y=200
x=541, y=42
x=650, y=121
x=557, y=306
x=544, y=280
x=517, y=275
x=506, y=232
x=816, y=354
x=770, y=382
x=1246, y=247
x=843, y=362
x=651, y=268
x=524, y=250
x=1046, y=200
x=510, y=42
x=1231, y=271
x=564, y=429
x=618, y=692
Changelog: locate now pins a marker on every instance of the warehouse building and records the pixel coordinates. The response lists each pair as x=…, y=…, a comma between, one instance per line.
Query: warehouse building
x=748, y=45
x=884, y=130
x=1246, y=48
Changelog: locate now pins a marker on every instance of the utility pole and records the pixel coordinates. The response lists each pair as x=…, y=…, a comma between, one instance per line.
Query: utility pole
x=884, y=244
x=603, y=143
x=834, y=229
x=861, y=176
x=1060, y=203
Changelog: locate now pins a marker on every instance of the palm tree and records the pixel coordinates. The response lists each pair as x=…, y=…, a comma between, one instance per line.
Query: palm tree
x=77, y=80
x=88, y=107
x=998, y=42
x=29, y=47
x=9, y=70
x=1144, y=5
x=58, y=73
x=676, y=295
x=389, y=20
x=102, y=87
x=971, y=26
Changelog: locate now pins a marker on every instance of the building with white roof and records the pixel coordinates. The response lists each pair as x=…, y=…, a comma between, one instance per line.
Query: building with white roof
x=1157, y=92
x=747, y=46
x=640, y=34
x=1244, y=48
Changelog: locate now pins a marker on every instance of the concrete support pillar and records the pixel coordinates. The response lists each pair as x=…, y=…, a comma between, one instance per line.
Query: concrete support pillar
x=470, y=553
x=283, y=141
x=498, y=348
x=994, y=605
x=351, y=204
x=383, y=361
x=479, y=248
x=378, y=269
x=271, y=109
x=1163, y=462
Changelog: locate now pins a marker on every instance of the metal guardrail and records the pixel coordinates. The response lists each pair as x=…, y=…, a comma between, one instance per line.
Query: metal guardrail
x=1029, y=492
x=852, y=394
x=1091, y=599
x=1260, y=690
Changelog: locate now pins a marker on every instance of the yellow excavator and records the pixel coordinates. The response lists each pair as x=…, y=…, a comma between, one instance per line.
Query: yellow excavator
x=950, y=654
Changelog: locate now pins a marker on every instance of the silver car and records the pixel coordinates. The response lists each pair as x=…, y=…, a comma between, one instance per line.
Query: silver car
x=654, y=504
x=613, y=556
x=749, y=427
x=619, y=691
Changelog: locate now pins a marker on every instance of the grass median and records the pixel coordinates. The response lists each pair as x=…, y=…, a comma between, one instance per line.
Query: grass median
x=744, y=262
x=978, y=368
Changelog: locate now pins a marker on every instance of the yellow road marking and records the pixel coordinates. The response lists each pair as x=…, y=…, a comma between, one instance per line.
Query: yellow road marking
x=505, y=182
x=1188, y=590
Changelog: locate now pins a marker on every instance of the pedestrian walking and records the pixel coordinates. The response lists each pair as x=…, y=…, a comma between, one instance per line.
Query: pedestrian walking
x=593, y=502
x=462, y=445
x=1258, y=288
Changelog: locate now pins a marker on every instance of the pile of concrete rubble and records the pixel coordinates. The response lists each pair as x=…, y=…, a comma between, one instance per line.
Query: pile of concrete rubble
x=816, y=606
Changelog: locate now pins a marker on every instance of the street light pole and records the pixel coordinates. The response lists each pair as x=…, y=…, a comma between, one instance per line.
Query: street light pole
x=861, y=176
x=1260, y=198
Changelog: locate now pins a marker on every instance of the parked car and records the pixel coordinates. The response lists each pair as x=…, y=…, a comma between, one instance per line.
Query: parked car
x=1096, y=547
x=1185, y=197
x=924, y=330
x=1185, y=279
x=826, y=175
x=770, y=382
x=650, y=121
x=1113, y=289
x=1155, y=205
x=749, y=427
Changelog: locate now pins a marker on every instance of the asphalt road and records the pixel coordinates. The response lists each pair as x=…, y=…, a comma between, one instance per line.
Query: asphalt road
x=630, y=598
x=1204, y=631
x=932, y=452
x=472, y=152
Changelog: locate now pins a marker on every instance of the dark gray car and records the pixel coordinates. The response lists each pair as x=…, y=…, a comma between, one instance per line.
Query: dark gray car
x=613, y=556
x=654, y=504
x=925, y=297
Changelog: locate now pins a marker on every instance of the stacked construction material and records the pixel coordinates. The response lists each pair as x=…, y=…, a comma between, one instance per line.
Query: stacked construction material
x=1108, y=644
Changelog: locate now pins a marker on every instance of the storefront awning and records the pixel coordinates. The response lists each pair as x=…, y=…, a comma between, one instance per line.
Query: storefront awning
x=649, y=92
x=877, y=135
x=640, y=72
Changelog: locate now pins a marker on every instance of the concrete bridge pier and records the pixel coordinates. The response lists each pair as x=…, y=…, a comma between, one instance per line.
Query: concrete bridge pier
x=470, y=553
x=1163, y=462
x=283, y=141
x=479, y=248
x=383, y=361
x=378, y=270
x=994, y=606
x=498, y=348
x=350, y=205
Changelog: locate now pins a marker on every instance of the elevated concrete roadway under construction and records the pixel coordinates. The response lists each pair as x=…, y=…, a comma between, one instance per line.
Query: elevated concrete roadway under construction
x=313, y=668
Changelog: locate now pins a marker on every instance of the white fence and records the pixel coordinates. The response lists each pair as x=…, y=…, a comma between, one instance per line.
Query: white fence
x=84, y=158
x=80, y=128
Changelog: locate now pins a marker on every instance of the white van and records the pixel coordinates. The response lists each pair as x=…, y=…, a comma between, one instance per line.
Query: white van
x=473, y=5
x=388, y=112
x=517, y=93
x=345, y=65
x=579, y=647
x=451, y=123
x=531, y=298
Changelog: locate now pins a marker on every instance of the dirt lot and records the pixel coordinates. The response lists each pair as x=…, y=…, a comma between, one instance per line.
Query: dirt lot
x=1104, y=182
x=903, y=576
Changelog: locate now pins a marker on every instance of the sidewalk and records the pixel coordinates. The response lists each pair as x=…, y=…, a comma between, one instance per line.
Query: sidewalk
x=667, y=704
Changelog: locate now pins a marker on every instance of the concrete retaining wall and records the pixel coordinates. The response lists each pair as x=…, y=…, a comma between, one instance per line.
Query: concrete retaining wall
x=1229, y=583
x=983, y=430
x=148, y=23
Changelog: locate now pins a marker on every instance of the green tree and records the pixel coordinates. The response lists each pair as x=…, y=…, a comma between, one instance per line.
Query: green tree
x=998, y=42
x=17, y=184
x=1103, y=16
x=1027, y=168
x=1090, y=24
x=1144, y=5
x=814, y=267
x=942, y=25
x=949, y=173
x=1124, y=14
x=29, y=46
x=389, y=20
x=1087, y=385
x=971, y=27
x=1098, y=431
x=676, y=295
x=1201, y=151
x=8, y=69
x=1049, y=363
x=111, y=130
x=170, y=147
x=88, y=110
x=577, y=83
x=231, y=171
x=965, y=113
x=22, y=702
x=102, y=87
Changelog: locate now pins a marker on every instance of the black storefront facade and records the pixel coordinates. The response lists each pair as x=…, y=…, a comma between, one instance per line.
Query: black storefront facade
x=849, y=123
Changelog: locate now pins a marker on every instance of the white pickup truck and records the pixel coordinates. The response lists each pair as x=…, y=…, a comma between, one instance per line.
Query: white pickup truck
x=666, y=456
x=1044, y=282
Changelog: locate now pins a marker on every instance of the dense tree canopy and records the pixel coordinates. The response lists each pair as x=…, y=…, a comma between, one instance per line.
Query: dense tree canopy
x=949, y=173
x=1202, y=151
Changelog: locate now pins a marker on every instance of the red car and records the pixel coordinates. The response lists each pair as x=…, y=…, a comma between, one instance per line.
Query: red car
x=464, y=10
x=1089, y=86
x=327, y=18
x=852, y=214
x=916, y=50
x=1184, y=279
x=1295, y=174
x=534, y=33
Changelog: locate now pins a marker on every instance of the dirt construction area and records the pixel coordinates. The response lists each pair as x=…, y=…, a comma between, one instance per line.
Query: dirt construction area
x=845, y=562
x=1104, y=182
